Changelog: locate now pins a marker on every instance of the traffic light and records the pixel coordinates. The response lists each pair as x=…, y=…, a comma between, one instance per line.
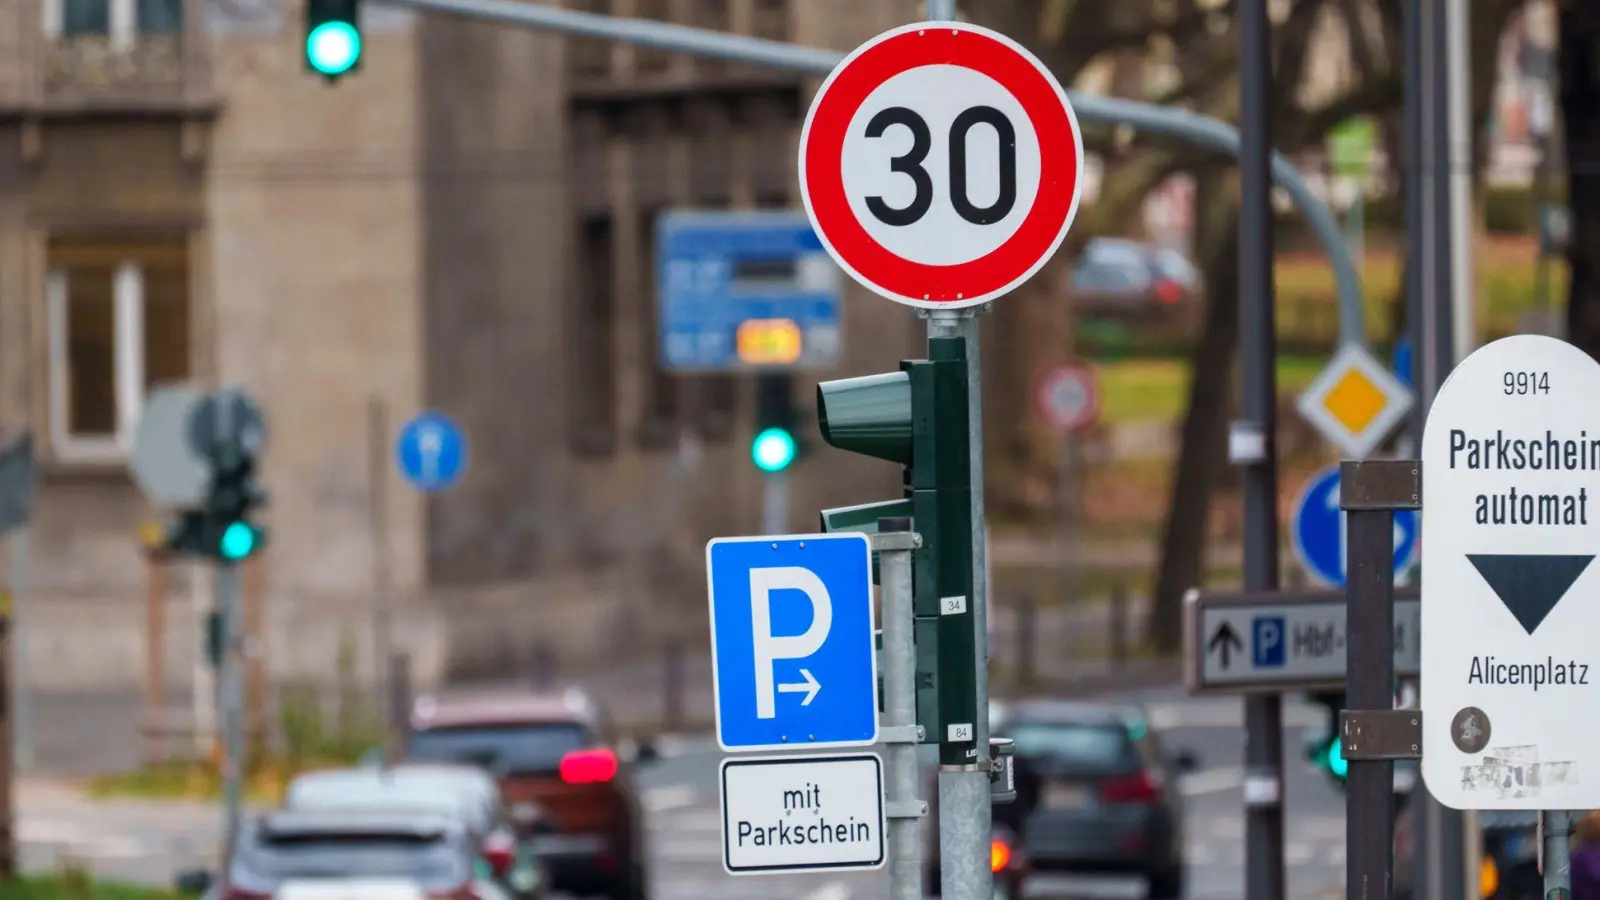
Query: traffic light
x=917, y=417
x=227, y=533
x=775, y=445
x=1325, y=752
x=333, y=37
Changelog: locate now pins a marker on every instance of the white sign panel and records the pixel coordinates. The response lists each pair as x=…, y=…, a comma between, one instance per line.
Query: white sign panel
x=802, y=814
x=1241, y=642
x=1509, y=619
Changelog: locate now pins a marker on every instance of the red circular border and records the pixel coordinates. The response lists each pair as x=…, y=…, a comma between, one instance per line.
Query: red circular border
x=837, y=104
x=1091, y=410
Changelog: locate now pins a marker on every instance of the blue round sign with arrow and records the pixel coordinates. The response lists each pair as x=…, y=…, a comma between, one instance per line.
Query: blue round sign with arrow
x=1318, y=531
x=432, y=452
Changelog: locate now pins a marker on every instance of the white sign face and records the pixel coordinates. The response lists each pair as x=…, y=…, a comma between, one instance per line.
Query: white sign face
x=940, y=164
x=1239, y=644
x=1511, y=449
x=1355, y=402
x=802, y=814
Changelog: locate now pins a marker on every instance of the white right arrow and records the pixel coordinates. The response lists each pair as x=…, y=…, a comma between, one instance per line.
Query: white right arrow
x=809, y=687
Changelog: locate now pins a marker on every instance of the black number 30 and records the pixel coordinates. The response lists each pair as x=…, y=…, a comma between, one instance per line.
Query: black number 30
x=910, y=165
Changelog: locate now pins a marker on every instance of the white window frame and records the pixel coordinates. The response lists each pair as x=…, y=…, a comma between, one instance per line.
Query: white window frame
x=123, y=19
x=128, y=367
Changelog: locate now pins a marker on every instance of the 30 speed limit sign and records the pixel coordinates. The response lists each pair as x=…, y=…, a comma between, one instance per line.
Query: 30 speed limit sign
x=1068, y=397
x=940, y=164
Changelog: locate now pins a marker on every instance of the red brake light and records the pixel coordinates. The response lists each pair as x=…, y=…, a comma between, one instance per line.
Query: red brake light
x=999, y=855
x=1168, y=291
x=500, y=852
x=588, y=766
x=1135, y=788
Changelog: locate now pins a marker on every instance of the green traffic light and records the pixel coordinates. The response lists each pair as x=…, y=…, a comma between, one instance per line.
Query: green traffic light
x=1337, y=764
x=773, y=450
x=332, y=48
x=238, y=539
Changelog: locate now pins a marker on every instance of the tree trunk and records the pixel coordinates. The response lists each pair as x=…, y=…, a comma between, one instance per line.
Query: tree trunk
x=1579, y=62
x=1202, y=453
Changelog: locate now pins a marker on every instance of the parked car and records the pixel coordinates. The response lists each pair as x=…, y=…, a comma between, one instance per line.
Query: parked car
x=368, y=854
x=1105, y=796
x=463, y=792
x=1123, y=279
x=556, y=750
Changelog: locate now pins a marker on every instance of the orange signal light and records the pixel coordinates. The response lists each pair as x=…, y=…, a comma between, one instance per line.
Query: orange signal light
x=999, y=855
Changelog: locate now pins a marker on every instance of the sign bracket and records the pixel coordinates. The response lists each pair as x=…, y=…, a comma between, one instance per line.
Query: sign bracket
x=1377, y=735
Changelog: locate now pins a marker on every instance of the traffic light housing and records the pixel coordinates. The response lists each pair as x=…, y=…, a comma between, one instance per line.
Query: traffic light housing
x=333, y=39
x=776, y=443
x=1325, y=752
x=917, y=417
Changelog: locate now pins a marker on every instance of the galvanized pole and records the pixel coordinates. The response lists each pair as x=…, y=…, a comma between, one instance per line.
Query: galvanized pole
x=775, y=503
x=894, y=543
x=22, y=696
x=1253, y=443
x=232, y=677
x=1556, y=825
x=382, y=568
x=1071, y=515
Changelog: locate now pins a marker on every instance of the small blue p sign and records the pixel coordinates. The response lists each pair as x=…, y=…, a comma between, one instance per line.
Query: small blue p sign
x=1266, y=645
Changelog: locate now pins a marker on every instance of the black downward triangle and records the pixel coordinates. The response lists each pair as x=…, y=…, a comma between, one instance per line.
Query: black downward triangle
x=1529, y=586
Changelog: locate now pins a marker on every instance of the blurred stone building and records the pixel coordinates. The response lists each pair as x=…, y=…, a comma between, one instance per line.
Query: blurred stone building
x=464, y=224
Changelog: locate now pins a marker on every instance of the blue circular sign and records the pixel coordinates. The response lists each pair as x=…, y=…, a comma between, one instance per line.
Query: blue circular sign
x=1318, y=531
x=431, y=451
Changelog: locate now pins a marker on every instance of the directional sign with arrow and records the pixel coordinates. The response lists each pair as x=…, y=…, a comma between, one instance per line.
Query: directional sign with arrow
x=1224, y=643
x=1511, y=493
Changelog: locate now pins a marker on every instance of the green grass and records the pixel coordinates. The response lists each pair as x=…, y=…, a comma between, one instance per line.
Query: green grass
x=77, y=885
x=1158, y=389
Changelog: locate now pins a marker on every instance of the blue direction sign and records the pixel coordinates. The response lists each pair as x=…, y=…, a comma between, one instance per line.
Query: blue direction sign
x=743, y=290
x=431, y=451
x=1319, y=531
x=792, y=653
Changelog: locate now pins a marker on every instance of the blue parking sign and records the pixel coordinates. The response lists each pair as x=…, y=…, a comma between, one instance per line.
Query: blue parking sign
x=792, y=651
x=1267, y=642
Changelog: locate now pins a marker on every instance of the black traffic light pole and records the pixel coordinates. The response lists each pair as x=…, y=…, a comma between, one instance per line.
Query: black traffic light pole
x=1373, y=733
x=232, y=675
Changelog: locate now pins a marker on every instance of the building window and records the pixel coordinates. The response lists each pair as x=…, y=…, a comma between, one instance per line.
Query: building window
x=118, y=316
x=593, y=346
x=119, y=20
x=659, y=415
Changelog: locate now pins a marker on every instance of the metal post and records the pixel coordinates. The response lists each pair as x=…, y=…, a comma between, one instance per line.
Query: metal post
x=1071, y=510
x=399, y=682
x=8, y=804
x=22, y=697
x=1211, y=133
x=1027, y=666
x=1263, y=783
x=378, y=528
x=203, y=679
x=894, y=543
x=775, y=503
x=232, y=704
x=1557, y=847
x=1369, y=494
x=1118, y=623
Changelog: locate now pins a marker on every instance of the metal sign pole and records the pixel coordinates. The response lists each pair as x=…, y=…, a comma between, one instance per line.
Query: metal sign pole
x=1371, y=729
x=775, y=503
x=894, y=543
x=1556, y=847
x=1071, y=516
x=232, y=676
x=22, y=715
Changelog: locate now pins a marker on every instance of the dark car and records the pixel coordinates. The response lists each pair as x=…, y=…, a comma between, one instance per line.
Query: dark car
x=555, y=752
x=1104, y=795
x=1120, y=279
x=464, y=792
x=357, y=854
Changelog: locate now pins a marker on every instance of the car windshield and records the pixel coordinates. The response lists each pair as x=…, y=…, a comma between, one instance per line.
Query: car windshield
x=1171, y=264
x=523, y=748
x=437, y=860
x=1084, y=746
x=436, y=795
x=1111, y=264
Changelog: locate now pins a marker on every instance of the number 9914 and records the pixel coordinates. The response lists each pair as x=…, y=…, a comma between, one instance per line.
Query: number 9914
x=1521, y=383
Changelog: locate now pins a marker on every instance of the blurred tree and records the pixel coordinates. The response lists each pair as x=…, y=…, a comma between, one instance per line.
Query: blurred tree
x=1578, y=61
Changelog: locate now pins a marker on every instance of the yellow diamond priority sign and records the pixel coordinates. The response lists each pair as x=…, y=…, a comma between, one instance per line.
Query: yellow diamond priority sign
x=1355, y=402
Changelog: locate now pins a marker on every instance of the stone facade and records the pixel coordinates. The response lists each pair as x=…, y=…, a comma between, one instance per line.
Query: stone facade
x=462, y=224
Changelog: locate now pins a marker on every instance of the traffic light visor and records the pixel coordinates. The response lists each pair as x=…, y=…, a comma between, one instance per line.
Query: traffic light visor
x=870, y=415
x=773, y=450
x=332, y=48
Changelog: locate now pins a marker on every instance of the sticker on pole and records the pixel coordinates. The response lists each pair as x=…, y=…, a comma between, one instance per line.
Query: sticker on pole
x=941, y=164
x=1068, y=397
x=1509, y=454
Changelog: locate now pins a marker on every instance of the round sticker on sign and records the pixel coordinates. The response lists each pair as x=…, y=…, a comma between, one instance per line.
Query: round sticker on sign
x=941, y=164
x=1068, y=397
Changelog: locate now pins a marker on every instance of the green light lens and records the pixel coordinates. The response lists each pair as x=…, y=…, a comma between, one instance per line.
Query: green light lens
x=333, y=47
x=238, y=539
x=773, y=450
x=1337, y=764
